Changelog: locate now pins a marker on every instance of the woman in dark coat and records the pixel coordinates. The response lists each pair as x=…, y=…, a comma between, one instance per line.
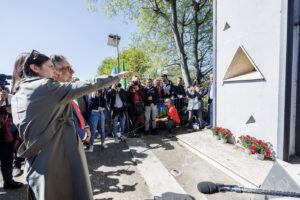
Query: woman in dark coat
x=55, y=165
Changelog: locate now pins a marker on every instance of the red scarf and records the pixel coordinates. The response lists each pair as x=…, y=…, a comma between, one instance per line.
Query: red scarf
x=81, y=120
x=160, y=92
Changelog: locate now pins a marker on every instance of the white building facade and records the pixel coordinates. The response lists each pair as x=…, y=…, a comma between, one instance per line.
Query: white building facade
x=256, y=49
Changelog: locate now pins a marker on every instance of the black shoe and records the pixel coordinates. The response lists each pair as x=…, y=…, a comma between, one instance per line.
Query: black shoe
x=147, y=132
x=12, y=185
x=153, y=131
x=169, y=135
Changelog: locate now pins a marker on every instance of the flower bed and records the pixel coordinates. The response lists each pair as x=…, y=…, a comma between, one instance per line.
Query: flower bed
x=250, y=144
x=222, y=133
x=256, y=146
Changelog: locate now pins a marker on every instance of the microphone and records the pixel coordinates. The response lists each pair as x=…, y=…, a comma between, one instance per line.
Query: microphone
x=211, y=188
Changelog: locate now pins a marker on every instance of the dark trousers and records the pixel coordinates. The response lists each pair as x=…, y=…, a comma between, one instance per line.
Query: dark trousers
x=198, y=113
x=6, y=159
x=170, y=124
x=18, y=161
x=179, y=104
x=108, y=123
x=135, y=119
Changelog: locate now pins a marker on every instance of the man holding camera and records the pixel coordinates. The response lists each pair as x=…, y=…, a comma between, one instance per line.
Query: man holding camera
x=6, y=140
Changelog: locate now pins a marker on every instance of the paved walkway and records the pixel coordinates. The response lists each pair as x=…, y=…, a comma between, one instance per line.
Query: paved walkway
x=113, y=176
x=153, y=167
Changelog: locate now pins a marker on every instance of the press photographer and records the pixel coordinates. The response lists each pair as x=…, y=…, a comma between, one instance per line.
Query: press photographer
x=6, y=136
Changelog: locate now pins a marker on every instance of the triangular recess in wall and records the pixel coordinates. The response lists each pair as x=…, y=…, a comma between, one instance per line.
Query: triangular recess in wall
x=251, y=120
x=226, y=26
x=242, y=68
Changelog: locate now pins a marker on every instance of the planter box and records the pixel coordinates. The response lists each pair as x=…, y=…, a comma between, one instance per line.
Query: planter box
x=223, y=140
x=216, y=137
x=260, y=156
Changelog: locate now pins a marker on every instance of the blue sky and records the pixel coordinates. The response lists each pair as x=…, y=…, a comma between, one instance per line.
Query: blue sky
x=59, y=26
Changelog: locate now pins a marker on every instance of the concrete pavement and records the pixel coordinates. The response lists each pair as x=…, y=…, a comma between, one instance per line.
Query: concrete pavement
x=153, y=167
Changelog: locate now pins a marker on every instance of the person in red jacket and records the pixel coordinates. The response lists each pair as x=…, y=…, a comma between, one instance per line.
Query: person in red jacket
x=172, y=118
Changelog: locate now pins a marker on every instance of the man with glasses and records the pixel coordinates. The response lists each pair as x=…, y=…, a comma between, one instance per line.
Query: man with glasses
x=64, y=74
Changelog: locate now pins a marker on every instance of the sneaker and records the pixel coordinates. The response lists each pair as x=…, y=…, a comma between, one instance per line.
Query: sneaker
x=12, y=185
x=16, y=172
x=116, y=140
x=123, y=137
x=91, y=149
x=104, y=146
x=119, y=134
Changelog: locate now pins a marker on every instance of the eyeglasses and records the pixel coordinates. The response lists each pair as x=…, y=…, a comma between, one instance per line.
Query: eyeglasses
x=69, y=68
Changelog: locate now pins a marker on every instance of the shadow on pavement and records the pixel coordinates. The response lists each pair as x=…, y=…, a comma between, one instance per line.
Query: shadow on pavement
x=117, y=160
x=17, y=194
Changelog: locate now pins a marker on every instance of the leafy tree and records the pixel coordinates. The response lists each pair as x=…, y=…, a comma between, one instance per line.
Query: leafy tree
x=134, y=59
x=174, y=32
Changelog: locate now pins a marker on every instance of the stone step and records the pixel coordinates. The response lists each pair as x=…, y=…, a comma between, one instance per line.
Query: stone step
x=161, y=183
x=232, y=160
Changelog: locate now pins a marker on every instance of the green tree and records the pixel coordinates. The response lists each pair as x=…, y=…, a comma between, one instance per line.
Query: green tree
x=135, y=60
x=178, y=32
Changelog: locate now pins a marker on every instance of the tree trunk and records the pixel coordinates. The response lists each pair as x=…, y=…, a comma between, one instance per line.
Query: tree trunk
x=179, y=45
x=196, y=40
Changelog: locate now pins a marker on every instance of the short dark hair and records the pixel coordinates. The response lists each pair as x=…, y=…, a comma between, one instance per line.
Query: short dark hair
x=35, y=58
x=179, y=78
x=164, y=75
x=149, y=79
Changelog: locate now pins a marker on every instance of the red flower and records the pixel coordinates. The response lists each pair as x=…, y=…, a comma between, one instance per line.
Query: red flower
x=267, y=152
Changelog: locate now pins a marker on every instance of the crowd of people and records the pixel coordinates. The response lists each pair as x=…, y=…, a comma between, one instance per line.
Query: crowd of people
x=135, y=110
x=47, y=106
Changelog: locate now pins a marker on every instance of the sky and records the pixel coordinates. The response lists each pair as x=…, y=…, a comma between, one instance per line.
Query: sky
x=62, y=27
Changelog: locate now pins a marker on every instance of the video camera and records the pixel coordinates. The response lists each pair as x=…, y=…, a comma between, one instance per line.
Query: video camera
x=3, y=80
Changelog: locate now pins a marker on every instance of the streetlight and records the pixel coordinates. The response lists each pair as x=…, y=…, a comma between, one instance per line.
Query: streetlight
x=113, y=40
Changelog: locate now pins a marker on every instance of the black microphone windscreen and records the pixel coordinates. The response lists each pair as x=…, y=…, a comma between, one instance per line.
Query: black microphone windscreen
x=207, y=187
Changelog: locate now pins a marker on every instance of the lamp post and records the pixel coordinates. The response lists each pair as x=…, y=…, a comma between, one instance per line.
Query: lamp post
x=113, y=40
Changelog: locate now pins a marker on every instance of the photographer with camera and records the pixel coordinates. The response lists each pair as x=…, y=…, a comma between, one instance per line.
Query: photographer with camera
x=6, y=139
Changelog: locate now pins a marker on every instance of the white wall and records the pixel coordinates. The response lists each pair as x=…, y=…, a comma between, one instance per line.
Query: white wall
x=256, y=25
